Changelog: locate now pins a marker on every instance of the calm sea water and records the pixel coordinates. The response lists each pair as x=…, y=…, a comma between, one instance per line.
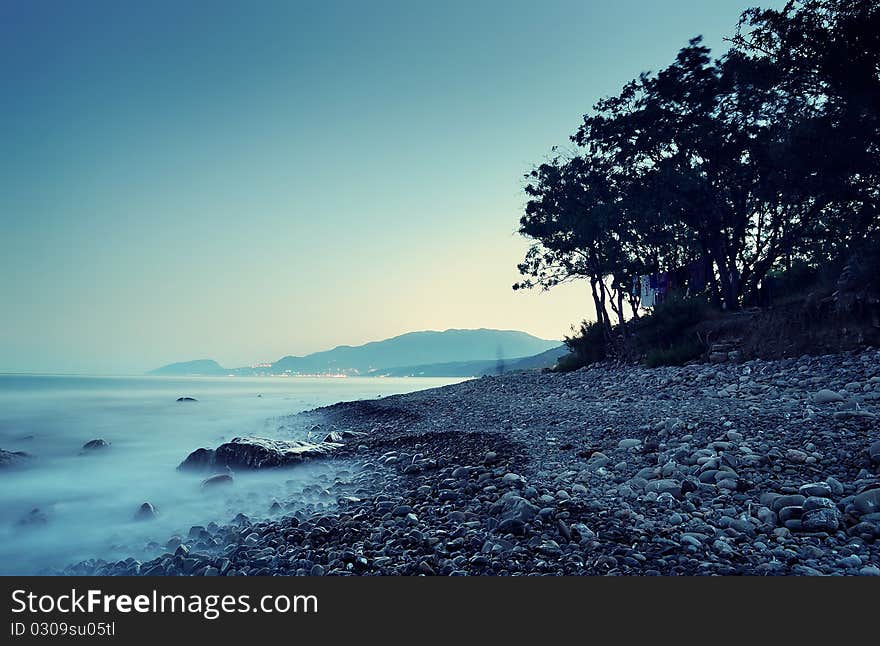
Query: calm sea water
x=90, y=498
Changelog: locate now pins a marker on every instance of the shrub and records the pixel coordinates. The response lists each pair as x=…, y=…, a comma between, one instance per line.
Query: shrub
x=677, y=355
x=587, y=345
x=669, y=323
x=667, y=336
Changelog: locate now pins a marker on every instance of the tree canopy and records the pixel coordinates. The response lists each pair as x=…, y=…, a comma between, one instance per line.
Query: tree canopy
x=765, y=155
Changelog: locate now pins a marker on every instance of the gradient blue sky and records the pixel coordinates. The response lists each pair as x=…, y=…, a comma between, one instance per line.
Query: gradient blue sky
x=246, y=180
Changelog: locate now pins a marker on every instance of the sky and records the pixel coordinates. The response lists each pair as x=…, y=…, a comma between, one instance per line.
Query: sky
x=241, y=181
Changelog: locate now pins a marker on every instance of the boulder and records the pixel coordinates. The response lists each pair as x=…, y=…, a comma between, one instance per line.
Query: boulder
x=145, y=512
x=95, y=445
x=221, y=479
x=257, y=453
x=13, y=458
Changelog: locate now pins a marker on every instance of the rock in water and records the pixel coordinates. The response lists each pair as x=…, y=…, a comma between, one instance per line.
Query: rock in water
x=13, y=458
x=199, y=459
x=187, y=399
x=257, y=453
x=220, y=479
x=145, y=512
x=94, y=445
x=34, y=518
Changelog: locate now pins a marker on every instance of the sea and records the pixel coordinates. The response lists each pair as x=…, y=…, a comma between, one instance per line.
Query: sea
x=68, y=504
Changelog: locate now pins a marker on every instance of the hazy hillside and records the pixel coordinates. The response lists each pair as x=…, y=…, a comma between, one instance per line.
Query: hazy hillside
x=200, y=367
x=452, y=353
x=419, y=348
x=476, y=368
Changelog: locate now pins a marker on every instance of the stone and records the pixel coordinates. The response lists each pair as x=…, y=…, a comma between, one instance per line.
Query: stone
x=34, y=518
x=513, y=507
x=145, y=512
x=665, y=485
x=512, y=480
x=779, y=502
x=874, y=452
x=835, y=485
x=819, y=489
x=95, y=445
x=796, y=456
x=629, y=443
x=256, y=453
x=791, y=512
x=867, y=502
x=820, y=520
x=10, y=459
x=221, y=479
x=826, y=396
x=582, y=532
x=814, y=502
x=849, y=562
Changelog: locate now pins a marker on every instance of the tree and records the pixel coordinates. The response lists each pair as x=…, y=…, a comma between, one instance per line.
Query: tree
x=702, y=135
x=826, y=54
x=571, y=216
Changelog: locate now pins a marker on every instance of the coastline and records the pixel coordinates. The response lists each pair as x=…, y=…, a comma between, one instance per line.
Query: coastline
x=763, y=467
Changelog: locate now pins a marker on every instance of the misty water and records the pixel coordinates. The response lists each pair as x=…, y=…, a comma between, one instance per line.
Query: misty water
x=90, y=498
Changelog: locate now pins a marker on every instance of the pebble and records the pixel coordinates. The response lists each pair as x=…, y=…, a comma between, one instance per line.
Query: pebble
x=605, y=470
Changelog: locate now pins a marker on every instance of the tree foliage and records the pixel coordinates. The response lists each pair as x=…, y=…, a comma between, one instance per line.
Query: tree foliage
x=767, y=155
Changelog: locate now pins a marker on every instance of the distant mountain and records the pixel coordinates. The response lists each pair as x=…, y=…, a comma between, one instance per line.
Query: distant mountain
x=198, y=368
x=452, y=353
x=418, y=349
x=545, y=359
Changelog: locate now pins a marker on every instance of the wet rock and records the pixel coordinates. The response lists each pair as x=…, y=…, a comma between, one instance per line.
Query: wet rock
x=34, y=518
x=219, y=480
x=257, y=453
x=9, y=459
x=145, y=512
x=95, y=445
